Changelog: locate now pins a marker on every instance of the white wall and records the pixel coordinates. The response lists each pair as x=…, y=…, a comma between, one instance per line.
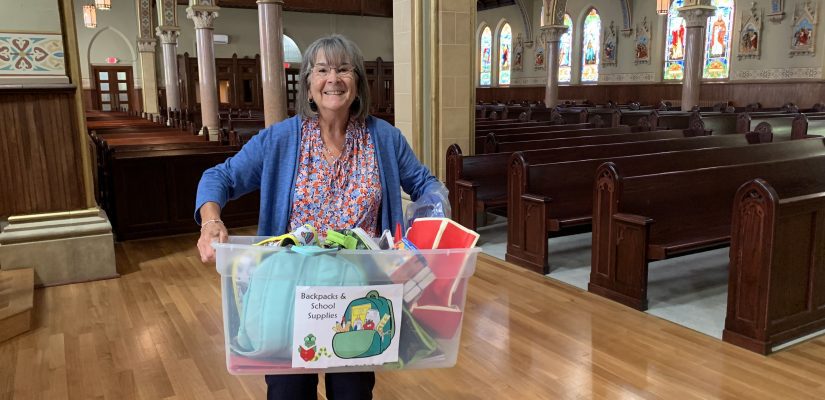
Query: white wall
x=29, y=16
x=773, y=64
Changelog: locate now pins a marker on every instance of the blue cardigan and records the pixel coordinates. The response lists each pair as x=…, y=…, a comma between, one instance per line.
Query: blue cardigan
x=269, y=162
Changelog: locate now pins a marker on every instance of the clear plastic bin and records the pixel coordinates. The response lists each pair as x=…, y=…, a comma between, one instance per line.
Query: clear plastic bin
x=266, y=292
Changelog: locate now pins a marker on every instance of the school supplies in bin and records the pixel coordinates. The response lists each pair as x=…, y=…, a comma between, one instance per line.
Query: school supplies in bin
x=259, y=285
x=436, y=307
x=440, y=233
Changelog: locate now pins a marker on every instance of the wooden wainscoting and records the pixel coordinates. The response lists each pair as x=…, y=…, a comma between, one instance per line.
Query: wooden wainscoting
x=741, y=93
x=41, y=169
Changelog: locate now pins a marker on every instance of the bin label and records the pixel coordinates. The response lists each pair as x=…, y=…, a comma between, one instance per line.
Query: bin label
x=341, y=326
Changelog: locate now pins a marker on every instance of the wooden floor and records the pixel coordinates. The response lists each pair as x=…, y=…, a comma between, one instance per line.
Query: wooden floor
x=156, y=333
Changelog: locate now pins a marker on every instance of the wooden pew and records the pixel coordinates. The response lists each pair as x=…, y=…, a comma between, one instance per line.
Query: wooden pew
x=480, y=180
x=154, y=192
x=482, y=139
x=487, y=122
x=521, y=161
x=603, y=117
x=114, y=125
x=638, y=219
x=538, y=127
x=104, y=160
x=483, y=129
x=780, y=122
x=551, y=115
x=634, y=118
x=509, y=147
x=551, y=197
x=718, y=124
x=669, y=120
x=494, y=139
x=241, y=130
x=777, y=260
x=573, y=115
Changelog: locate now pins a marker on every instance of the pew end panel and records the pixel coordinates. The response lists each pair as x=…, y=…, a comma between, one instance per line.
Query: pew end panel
x=490, y=144
x=605, y=201
x=743, y=123
x=763, y=133
x=466, y=198
x=534, y=255
x=776, y=292
x=626, y=279
x=697, y=128
x=454, y=164
x=516, y=183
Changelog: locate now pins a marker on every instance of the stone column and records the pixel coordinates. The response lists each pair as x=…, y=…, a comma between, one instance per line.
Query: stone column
x=146, y=45
x=146, y=49
x=273, y=76
x=551, y=91
x=168, y=31
x=696, y=19
x=203, y=15
x=169, y=41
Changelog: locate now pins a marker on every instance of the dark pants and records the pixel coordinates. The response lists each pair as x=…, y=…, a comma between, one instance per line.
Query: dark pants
x=340, y=386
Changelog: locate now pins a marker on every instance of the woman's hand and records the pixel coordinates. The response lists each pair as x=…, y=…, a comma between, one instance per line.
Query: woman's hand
x=214, y=231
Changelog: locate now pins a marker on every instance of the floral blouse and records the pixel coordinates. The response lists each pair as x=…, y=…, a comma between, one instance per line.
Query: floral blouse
x=339, y=195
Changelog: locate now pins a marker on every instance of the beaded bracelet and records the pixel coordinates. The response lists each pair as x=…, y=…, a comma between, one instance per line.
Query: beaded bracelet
x=203, y=225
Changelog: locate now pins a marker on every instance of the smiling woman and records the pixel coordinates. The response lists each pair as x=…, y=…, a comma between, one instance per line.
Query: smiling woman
x=332, y=166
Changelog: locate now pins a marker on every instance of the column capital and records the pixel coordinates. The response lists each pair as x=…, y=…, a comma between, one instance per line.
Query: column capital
x=276, y=2
x=202, y=15
x=168, y=34
x=696, y=15
x=554, y=32
x=146, y=45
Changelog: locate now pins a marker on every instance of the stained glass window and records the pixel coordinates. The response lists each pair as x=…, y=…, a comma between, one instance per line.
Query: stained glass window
x=591, y=46
x=675, y=45
x=717, y=47
x=486, y=63
x=505, y=44
x=565, y=50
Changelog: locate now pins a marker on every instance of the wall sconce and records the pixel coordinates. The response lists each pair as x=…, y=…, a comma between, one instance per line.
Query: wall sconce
x=103, y=4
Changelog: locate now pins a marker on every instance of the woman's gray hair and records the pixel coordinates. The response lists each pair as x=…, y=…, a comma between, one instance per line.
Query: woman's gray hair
x=338, y=50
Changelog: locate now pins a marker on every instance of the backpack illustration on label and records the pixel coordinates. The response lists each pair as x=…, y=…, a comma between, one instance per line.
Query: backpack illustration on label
x=366, y=329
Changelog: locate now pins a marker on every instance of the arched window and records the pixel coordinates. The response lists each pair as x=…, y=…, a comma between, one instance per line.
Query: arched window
x=486, y=54
x=717, y=46
x=591, y=46
x=675, y=45
x=718, y=36
x=292, y=54
x=566, y=50
x=505, y=44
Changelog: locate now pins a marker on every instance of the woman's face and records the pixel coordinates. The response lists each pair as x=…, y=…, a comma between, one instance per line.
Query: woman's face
x=332, y=87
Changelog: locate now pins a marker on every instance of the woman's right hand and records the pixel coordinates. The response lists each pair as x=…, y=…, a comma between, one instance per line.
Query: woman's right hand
x=214, y=231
